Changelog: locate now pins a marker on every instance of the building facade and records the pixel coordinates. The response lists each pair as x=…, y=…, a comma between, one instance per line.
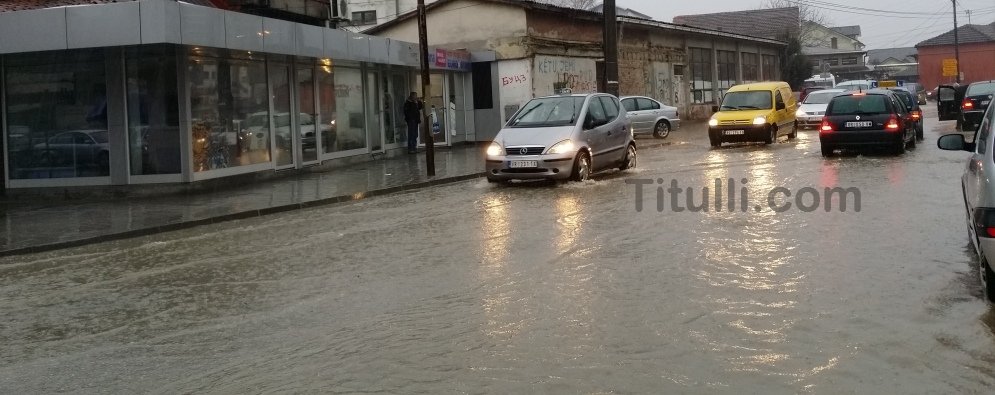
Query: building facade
x=161, y=91
x=536, y=49
x=836, y=50
x=977, y=54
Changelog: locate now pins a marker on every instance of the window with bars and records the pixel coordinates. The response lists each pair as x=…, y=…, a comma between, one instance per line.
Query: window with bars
x=701, y=75
x=750, y=67
x=727, y=70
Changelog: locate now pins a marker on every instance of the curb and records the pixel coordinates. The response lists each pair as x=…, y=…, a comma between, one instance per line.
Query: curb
x=236, y=216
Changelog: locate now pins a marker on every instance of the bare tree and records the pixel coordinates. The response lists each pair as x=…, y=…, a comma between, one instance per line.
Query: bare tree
x=810, y=17
x=579, y=4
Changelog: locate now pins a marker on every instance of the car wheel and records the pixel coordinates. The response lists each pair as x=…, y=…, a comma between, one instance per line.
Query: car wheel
x=794, y=131
x=582, y=167
x=900, y=147
x=773, y=135
x=714, y=142
x=912, y=142
x=827, y=150
x=629, y=161
x=919, y=134
x=987, y=279
x=661, y=130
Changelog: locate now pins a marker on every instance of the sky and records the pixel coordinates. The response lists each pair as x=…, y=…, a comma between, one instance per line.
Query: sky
x=912, y=22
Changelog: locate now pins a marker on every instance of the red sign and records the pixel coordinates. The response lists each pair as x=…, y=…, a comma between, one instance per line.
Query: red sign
x=440, y=57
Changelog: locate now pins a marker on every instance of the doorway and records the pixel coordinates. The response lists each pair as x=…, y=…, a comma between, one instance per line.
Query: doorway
x=374, y=112
x=305, y=129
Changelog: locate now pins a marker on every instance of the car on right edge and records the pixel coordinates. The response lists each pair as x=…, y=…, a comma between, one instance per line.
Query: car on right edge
x=977, y=99
x=867, y=119
x=978, y=187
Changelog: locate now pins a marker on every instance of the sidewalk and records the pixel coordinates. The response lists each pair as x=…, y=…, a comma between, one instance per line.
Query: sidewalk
x=27, y=227
x=36, y=227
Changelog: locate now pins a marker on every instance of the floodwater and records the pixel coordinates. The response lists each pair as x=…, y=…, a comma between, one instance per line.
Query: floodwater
x=475, y=288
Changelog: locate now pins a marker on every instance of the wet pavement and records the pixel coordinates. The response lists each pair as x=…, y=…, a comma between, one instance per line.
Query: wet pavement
x=476, y=288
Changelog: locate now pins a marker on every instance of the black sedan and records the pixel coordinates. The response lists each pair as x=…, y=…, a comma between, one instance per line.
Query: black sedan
x=869, y=119
x=977, y=98
x=915, y=112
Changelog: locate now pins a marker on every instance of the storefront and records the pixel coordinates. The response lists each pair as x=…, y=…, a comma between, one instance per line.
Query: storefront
x=449, y=101
x=159, y=92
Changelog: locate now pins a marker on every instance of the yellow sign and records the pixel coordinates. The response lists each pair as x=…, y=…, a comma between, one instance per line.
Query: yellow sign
x=887, y=84
x=949, y=67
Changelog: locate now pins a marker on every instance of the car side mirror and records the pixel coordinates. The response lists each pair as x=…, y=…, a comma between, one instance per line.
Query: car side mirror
x=954, y=142
x=780, y=106
x=715, y=109
x=588, y=123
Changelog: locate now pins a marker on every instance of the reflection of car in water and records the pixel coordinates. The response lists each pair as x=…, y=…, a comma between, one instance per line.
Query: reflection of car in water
x=255, y=130
x=75, y=147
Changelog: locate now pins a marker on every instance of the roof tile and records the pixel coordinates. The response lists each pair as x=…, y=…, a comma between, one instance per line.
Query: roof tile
x=770, y=23
x=966, y=34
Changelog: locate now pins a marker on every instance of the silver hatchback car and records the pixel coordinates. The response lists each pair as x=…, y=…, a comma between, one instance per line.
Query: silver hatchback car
x=978, y=185
x=562, y=137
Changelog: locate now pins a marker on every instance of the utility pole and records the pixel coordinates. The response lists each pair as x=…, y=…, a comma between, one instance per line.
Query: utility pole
x=956, y=42
x=611, y=47
x=426, y=130
x=968, y=12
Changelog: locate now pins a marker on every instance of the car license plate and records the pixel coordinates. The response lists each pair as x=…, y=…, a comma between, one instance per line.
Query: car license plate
x=985, y=103
x=861, y=124
x=520, y=164
x=734, y=132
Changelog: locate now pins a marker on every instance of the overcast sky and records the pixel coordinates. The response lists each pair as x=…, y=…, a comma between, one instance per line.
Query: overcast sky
x=878, y=31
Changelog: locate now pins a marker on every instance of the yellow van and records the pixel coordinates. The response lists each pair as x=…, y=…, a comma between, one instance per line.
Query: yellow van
x=754, y=112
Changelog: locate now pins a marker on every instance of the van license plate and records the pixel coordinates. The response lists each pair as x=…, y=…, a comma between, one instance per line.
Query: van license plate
x=734, y=132
x=862, y=124
x=521, y=164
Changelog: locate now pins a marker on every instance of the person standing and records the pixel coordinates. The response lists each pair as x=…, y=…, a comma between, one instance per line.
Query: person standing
x=412, y=116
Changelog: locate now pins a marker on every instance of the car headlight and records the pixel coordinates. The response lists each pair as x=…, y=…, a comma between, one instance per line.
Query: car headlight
x=563, y=147
x=799, y=113
x=494, y=149
x=713, y=122
x=759, y=120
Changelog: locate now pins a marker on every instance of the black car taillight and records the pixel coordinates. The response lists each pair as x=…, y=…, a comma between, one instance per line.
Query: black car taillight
x=984, y=222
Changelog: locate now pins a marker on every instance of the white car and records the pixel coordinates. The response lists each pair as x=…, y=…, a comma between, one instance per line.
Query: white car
x=857, y=85
x=978, y=186
x=813, y=109
x=650, y=116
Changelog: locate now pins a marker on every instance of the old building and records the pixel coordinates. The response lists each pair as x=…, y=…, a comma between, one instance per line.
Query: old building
x=977, y=54
x=527, y=49
x=901, y=64
x=834, y=49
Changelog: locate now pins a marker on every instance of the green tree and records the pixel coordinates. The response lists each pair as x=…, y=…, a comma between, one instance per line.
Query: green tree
x=795, y=66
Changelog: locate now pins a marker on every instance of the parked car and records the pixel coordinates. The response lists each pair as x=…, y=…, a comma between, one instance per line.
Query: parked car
x=754, y=112
x=870, y=119
x=650, y=116
x=77, y=147
x=562, y=137
x=931, y=94
x=977, y=99
x=912, y=105
x=813, y=108
x=949, y=98
x=978, y=187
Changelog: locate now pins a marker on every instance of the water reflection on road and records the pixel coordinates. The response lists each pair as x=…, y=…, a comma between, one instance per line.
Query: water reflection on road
x=533, y=288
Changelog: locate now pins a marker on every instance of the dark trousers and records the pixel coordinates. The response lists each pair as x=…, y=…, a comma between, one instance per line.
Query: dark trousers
x=412, y=136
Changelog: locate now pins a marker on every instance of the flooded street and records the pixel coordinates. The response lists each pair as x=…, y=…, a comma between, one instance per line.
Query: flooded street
x=477, y=288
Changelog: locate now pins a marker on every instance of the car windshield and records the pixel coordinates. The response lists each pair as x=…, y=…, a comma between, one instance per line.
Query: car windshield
x=750, y=100
x=820, y=97
x=857, y=105
x=987, y=88
x=549, y=111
